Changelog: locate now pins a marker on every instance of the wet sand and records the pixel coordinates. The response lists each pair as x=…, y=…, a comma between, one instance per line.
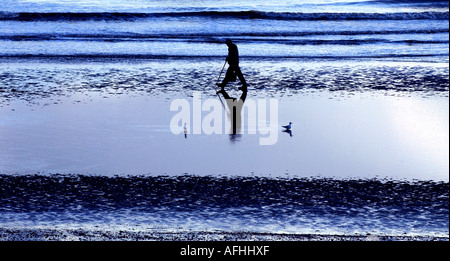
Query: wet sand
x=48, y=234
x=352, y=122
x=34, y=80
x=186, y=206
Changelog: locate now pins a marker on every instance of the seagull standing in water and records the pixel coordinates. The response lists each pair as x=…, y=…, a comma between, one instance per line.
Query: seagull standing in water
x=287, y=127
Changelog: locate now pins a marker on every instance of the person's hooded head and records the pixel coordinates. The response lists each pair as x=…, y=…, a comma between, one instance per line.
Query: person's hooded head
x=228, y=41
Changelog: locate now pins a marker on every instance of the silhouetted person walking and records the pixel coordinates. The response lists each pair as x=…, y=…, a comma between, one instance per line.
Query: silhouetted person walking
x=233, y=69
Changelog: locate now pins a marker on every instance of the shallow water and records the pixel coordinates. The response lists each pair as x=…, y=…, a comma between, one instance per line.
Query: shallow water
x=366, y=147
x=115, y=119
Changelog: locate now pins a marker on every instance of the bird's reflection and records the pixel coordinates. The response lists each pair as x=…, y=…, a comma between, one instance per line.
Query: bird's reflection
x=288, y=132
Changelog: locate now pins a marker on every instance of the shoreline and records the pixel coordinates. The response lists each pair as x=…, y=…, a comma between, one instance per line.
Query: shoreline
x=83, y=234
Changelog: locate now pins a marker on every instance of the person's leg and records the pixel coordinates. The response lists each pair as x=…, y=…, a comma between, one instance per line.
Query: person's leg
x=238, y=72
x=227, y=78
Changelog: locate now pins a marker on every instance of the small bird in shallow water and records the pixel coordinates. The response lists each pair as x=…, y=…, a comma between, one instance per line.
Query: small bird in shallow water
x=288, y=127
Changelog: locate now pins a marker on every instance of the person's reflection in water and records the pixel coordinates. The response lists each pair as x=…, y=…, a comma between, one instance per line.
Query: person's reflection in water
x=235, y=109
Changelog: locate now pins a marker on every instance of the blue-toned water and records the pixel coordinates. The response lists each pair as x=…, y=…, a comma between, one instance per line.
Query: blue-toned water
x=85, y=91
x=416, y=30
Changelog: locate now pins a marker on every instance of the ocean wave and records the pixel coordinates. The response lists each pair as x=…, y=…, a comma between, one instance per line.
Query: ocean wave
x=106, y=56
x=247, y=37
x=124, y=16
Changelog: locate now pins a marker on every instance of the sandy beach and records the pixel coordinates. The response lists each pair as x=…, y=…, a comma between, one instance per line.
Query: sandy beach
x=111, y=128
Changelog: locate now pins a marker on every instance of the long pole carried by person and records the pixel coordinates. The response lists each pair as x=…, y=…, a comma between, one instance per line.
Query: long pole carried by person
x=221, y=71
x=218, y=81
